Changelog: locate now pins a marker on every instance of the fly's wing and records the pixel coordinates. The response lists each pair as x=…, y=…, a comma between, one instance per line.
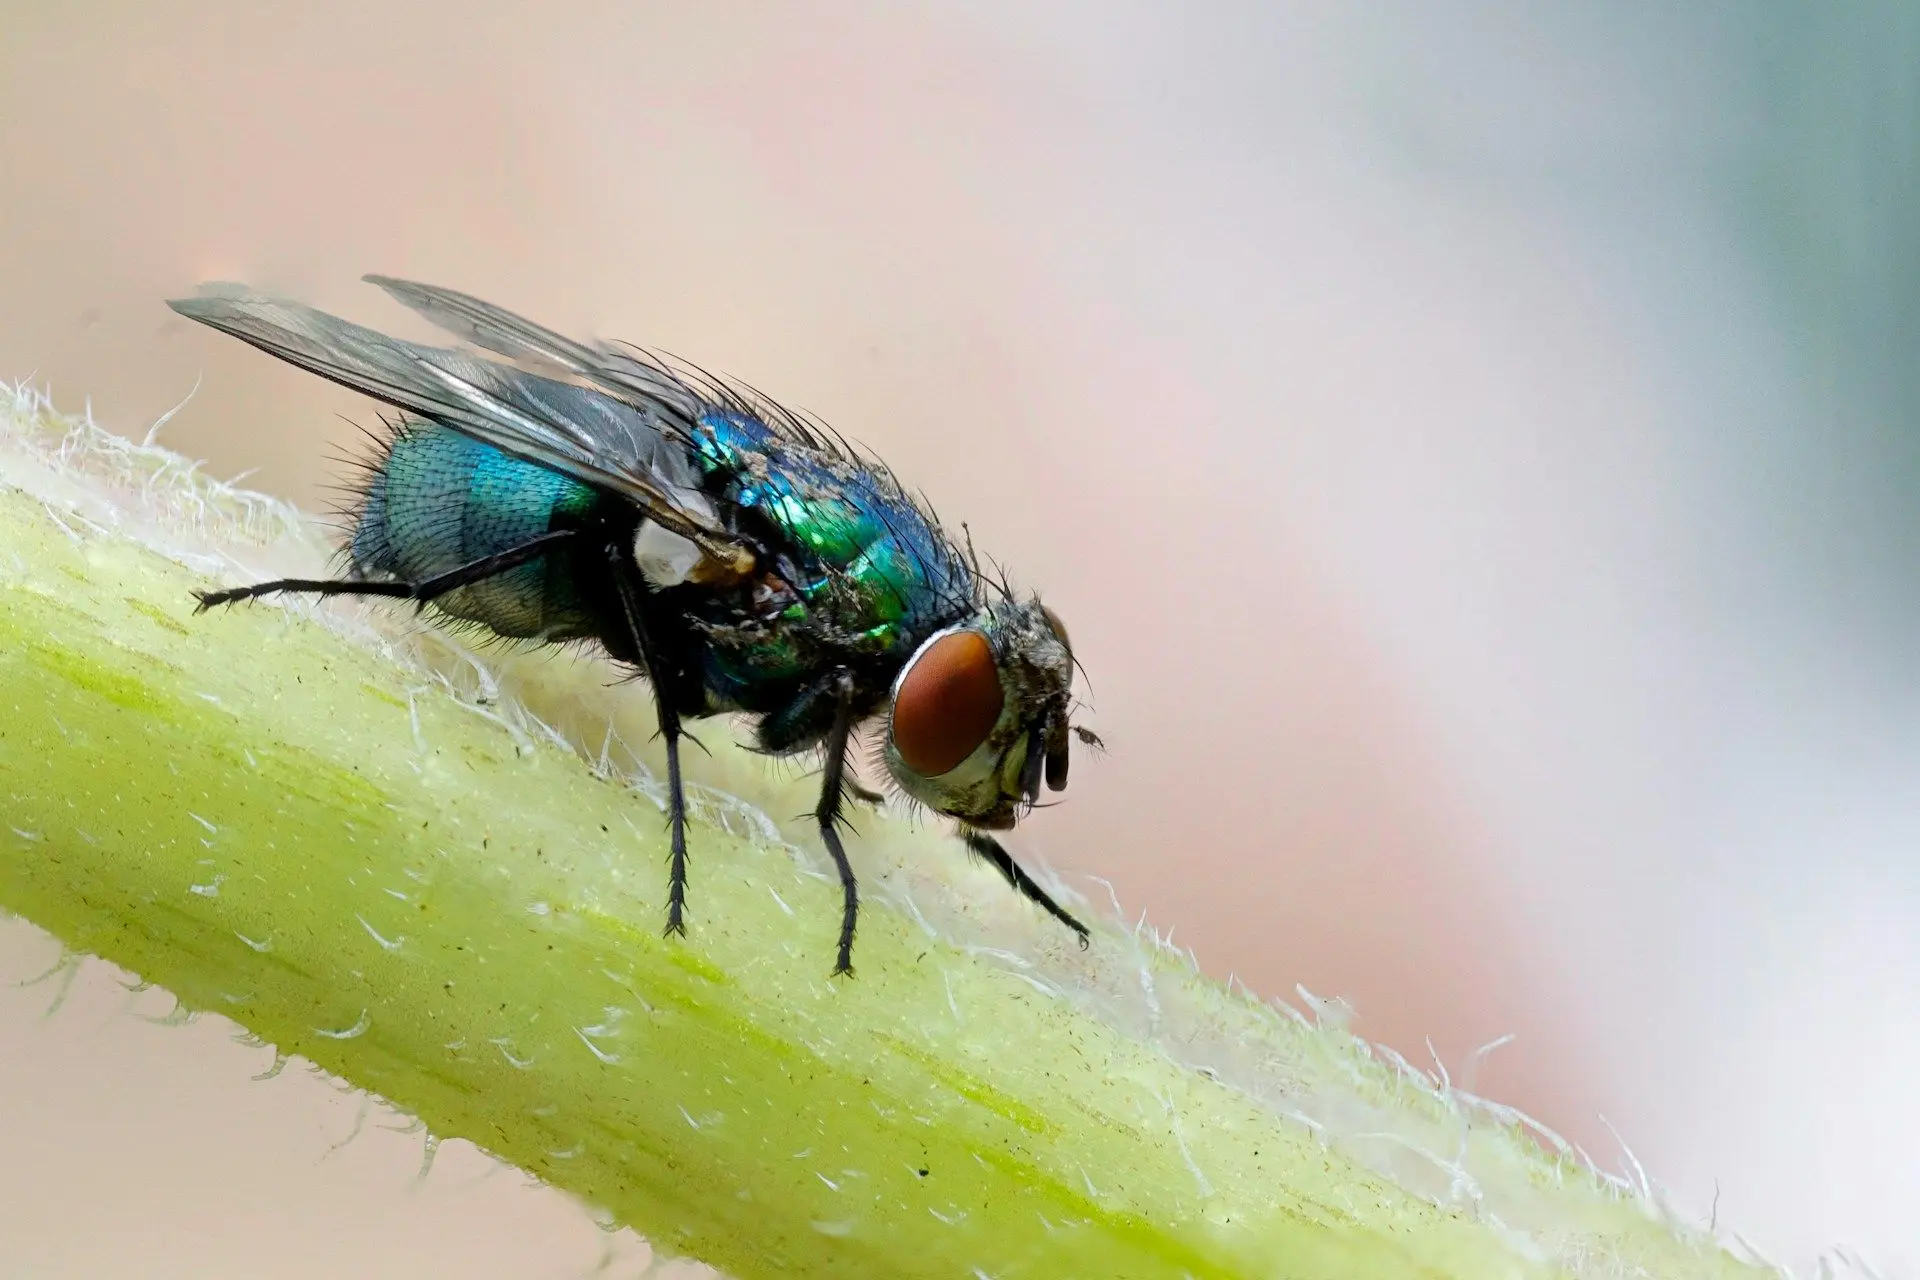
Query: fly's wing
x=636, y=450
x=500, y=331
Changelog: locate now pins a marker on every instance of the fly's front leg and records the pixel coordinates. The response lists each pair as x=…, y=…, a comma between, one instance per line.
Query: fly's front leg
x=986, y=847
x=633, y=605
x=833, y=794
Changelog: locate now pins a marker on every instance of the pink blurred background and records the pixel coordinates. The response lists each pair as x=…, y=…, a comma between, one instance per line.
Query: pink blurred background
x=1471, y=443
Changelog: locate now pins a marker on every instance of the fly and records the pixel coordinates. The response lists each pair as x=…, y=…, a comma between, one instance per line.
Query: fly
x=747, y=562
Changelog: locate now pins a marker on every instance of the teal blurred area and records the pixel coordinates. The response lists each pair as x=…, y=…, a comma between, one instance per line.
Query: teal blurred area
x=1474, y=445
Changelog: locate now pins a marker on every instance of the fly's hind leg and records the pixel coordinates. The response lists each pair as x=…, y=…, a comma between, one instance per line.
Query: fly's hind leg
x=633, y=606
x=422, y=592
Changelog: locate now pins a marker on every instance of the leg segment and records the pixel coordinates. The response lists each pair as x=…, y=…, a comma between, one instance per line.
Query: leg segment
x=633, y=605
x=421, y=592
x=985, y=846
x=833, y=794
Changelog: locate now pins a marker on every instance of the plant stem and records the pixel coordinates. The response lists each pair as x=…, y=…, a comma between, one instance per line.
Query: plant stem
x=423, y=891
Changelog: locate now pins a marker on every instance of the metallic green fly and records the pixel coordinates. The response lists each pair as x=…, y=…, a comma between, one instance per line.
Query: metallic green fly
x=744, y=560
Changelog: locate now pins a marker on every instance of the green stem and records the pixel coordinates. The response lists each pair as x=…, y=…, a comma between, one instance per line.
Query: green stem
x=422, y=890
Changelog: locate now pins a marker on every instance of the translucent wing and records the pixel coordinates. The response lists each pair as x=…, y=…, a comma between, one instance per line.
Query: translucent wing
x=500, y=331
x=634, y=447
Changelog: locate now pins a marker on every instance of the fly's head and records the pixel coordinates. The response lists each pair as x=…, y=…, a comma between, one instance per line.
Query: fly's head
x=980, y=715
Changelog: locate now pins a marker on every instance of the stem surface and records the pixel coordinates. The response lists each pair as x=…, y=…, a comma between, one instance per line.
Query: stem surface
x=386, y=858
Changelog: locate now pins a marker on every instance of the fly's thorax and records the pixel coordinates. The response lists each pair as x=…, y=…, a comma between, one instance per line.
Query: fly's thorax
x=978, y=709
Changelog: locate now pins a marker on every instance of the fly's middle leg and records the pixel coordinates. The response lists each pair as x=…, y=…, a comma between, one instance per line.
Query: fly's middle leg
x=833, y=794
x=633, y=606
x=677, y=876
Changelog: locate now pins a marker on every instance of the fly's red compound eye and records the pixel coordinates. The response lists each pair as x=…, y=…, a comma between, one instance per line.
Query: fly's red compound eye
x=947, y=703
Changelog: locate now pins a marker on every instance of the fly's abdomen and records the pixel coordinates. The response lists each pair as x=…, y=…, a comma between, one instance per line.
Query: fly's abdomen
x=439, y=500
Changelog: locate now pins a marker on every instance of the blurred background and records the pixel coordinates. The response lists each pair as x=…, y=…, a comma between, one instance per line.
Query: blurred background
x=1473, y=443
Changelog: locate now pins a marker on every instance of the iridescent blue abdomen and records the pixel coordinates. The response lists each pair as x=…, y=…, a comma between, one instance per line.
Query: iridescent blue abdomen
x=438, y=500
